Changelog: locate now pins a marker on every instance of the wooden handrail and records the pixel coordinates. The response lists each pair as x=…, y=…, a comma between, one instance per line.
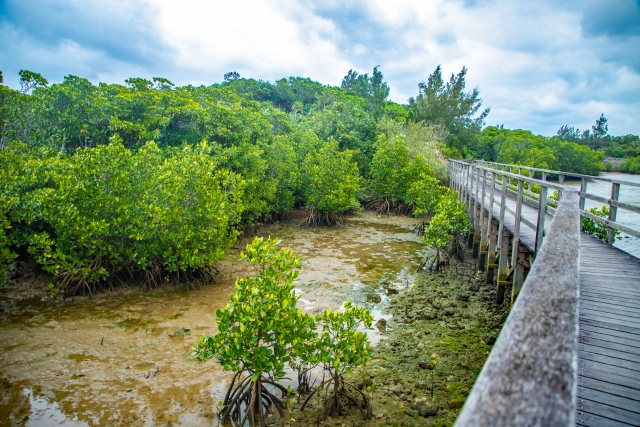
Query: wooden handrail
x=562, y=173
x=613, y=203
x=530, y=375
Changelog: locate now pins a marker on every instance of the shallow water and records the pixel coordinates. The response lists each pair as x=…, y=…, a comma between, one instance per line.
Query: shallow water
x=125, y=359
x=629, y=195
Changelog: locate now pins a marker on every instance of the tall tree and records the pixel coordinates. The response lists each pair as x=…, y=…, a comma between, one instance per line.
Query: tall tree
x=448, y=105
x=374, y=89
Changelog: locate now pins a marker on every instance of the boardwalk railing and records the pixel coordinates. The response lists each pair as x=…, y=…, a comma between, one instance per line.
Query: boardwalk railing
x=482, y=188
x=613, y=202
x=530, y=376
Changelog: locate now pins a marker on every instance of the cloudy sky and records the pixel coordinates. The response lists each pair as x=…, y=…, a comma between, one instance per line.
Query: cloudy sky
x=539, y=64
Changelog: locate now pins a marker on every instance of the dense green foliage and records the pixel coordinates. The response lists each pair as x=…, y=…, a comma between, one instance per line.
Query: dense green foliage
x=106, y=213
x=630, y=165
x=595, y=228
x=524, y=148
x=151, y=182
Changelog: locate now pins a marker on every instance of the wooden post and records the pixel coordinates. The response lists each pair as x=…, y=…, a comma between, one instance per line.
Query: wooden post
x=492, y=264
x=542, y=216
x=613, y=211
x=491, y=200
x=583, y=189
x=483, y=224
x=519, y=265
x=503, y=266
x=516, y=240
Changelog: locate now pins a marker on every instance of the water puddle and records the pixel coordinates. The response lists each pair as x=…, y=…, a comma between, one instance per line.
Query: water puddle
x=126, y=359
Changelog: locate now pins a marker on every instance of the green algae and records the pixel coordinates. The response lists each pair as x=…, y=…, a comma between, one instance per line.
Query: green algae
x=447, y=318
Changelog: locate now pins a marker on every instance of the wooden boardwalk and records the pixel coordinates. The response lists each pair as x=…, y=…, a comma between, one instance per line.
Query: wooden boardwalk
x=609, y=353
x=609, y=337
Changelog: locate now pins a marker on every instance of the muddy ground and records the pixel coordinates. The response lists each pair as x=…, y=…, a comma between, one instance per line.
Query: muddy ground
x=449, y=317
x=124, y=358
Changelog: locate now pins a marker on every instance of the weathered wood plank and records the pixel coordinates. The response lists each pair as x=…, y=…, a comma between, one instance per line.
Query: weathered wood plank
x=609, y=387
x=611, y=352
x=609, y=317
x=610, y=400
x=632, y=367
x=609, y=333
x=623, y=302
x=590, y=420
x=608, y=373
x=605, y=342
x=604, y=410
x=609, y=308
x=608, y=324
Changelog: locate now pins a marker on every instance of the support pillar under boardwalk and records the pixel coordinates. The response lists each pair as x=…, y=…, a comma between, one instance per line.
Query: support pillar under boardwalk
x=501, y=287
x=519, y=267
x=476, y=245
x=470, y=239
x=492, y=265
x=482, y=260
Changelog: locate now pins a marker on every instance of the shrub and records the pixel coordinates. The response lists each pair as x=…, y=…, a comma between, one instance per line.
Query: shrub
x=259, y=332
x=105, y=214
x=444, y=230
x=330, y=184
x=340, y=348
x=597, y=229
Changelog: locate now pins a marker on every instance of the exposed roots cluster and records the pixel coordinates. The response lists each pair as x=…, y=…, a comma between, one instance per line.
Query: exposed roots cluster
x=82, y=283
x=335, y=395
x=252, y=401
x=387, y=207
x=316, y=218
x=439, y=258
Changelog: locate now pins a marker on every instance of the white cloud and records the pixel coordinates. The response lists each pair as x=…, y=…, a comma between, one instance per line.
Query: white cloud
x=535, y=65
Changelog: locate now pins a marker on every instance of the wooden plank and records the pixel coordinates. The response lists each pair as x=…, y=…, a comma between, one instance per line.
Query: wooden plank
x=600, y=295
x=632, y=367
x=586, y=280
x=609, y=305
x=616, y=324
x=610, y=412
x=609, y=308
x=608, y=387
x=611, y=352
x=609, y=317
x=625, y=302
x=609, y=341
x=609, y=333
x=610, y=400
x=608, y=373
x=623, y=311
x=592, y=279
x=591, y=420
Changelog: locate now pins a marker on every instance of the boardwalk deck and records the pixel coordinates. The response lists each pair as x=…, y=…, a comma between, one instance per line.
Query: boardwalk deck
x=609, y=354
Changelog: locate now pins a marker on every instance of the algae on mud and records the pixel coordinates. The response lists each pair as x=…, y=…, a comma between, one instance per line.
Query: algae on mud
x=448, y=318
x=139, y=369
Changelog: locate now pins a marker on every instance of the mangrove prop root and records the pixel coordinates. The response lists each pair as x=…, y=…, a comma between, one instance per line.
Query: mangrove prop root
x=118, y=275
x=250, y=401
x=387, y=207
x=337, y=395
x=316, y=218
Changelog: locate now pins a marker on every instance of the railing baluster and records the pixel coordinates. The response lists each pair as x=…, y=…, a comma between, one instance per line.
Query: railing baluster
x=613, y=211
x=542, y=216
x=583, y=189
x=516, y=240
